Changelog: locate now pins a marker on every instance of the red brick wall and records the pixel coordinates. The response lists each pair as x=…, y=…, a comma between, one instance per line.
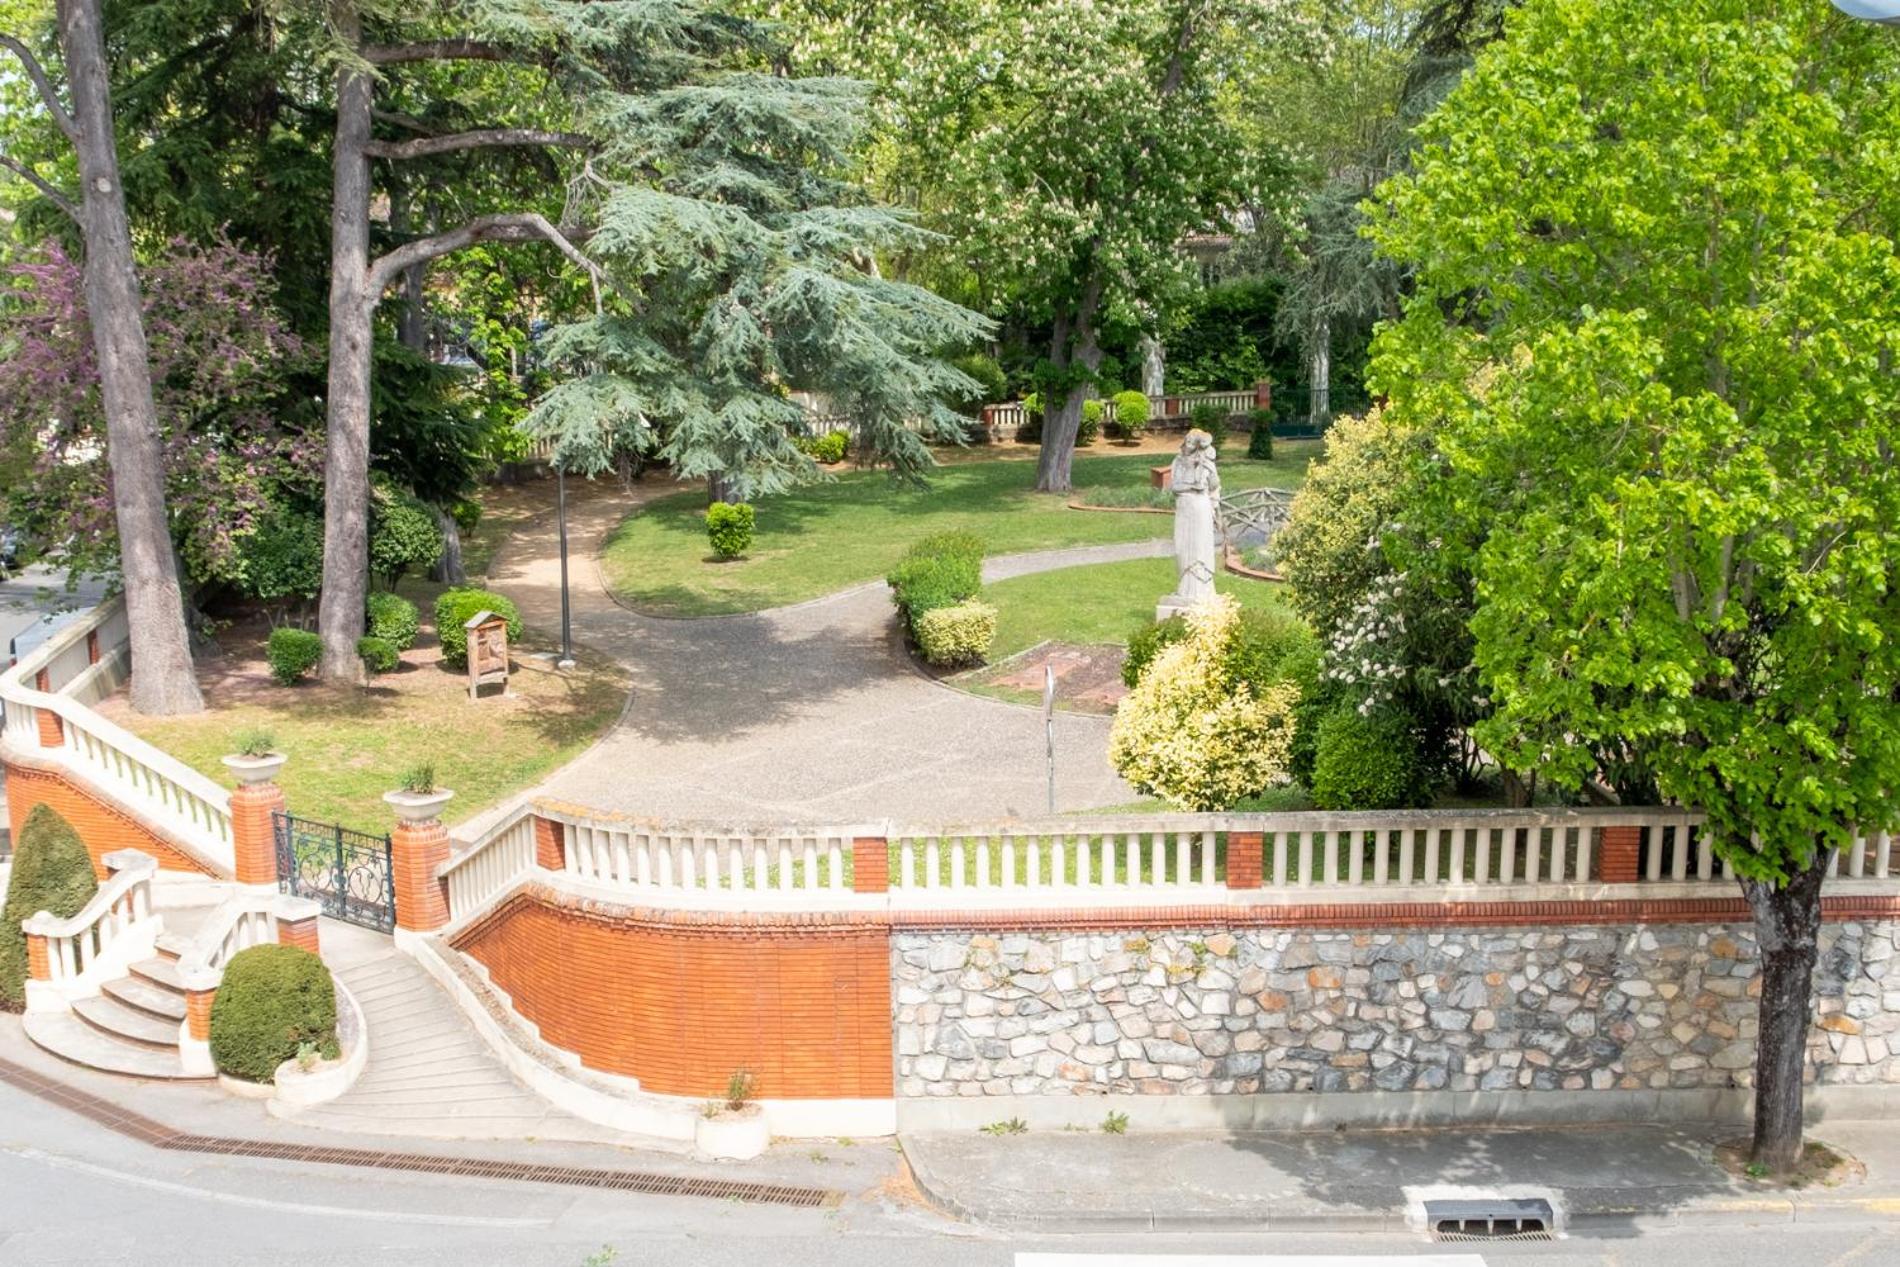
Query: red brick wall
x=416, y=850
x=101, y=825
x=680, y=1000
x=253, y=838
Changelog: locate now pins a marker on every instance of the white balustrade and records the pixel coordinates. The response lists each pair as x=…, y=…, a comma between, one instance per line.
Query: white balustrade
x=177, y=800
x=484, y=871
x=112, y=931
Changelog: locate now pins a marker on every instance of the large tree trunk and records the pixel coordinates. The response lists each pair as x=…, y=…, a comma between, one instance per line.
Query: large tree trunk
x=1060, y=426
x=346, y=457
x=448, y=567
x=1321, y=411
x=162, y=679
x=1787, y=931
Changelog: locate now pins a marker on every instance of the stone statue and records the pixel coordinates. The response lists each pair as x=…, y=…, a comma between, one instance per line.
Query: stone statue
x=1196, y=483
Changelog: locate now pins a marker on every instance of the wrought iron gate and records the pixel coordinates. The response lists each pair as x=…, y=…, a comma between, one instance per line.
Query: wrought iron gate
x=348, y=872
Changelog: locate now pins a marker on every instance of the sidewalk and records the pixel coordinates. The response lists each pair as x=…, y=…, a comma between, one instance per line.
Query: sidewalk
x=1604, y=1180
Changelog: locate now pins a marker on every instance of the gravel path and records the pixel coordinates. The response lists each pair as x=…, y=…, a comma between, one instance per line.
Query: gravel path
x=806, y=714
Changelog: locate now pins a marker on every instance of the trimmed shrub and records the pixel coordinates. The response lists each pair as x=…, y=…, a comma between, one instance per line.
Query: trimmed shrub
x=281, y=559
x=272, y=1001
x=1147, y=642
x=729, y=528
x=991, y=384
x=959, y=634
x=1131, y=414
x=51, y=872
x=1195, y=733
x=403, y=536
x=941, y=570
x=454, y=607
x=292, y=653
x=379, y=654
x=466, y=513
x=1090, y=428
x=1260, y=440
x=1211, y=419
x=394, y=619
x=1367, y=761
x=831, y=447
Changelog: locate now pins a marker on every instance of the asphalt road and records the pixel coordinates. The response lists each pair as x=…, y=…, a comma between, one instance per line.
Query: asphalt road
x=73, y=1193
x=31, y=593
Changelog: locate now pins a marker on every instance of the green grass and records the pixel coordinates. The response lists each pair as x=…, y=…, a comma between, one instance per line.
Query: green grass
x=347, y=747
x=1099, y=603
x=827, y=536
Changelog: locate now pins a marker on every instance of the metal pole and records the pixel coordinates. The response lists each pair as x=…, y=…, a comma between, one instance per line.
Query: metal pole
x=1049, y=728
x=567, y=625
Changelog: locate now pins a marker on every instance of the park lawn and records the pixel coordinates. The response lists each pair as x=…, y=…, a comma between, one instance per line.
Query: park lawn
x=1100, y=603
x=347, y=747
x=828, y=536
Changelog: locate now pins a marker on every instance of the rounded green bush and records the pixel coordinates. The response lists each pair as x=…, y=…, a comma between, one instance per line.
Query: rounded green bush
x=1131, y=414
x=940, y=570
x=729, y=526
x=454, y=607
x=379, y=654
x=991, y=384
x=52, y=872
x=272, y=1001
x=831, y=447
x=1260, y=440
x=394, y=619
x=403, y=536
x=281, y=558
x=1090, y=428
x=292, y=653
x=1367, y=761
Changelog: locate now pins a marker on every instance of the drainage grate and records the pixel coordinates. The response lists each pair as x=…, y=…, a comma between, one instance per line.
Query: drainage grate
x=1491, y=1220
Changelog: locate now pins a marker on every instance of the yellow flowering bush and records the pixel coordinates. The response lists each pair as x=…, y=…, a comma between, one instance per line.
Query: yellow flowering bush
x=960, y=634
x=1192, y=731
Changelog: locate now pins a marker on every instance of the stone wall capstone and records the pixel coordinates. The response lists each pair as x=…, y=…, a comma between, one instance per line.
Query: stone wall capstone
x=1216, y=1012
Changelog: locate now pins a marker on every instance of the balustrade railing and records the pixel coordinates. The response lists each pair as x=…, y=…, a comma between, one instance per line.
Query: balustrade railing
x=1006, y=417
x=47, y=697
x=83, y=951
x=1185, y=859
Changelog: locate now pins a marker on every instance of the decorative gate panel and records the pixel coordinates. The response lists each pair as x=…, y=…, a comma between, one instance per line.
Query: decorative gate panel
x=348, y=872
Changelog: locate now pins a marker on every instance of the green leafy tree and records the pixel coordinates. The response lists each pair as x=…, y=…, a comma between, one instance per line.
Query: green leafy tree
x=1665, y=236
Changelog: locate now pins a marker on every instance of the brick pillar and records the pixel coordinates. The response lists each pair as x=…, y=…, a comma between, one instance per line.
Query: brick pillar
x=92, y=646
x=198, y=1014
x=253, y=838
x=1263, y=395
x=417, y=848
x=550, y=845
x=52, y=730
x=870, y=865
x=297, y=923
x=39, y=958
x=1619, y=852
x=1246, y=856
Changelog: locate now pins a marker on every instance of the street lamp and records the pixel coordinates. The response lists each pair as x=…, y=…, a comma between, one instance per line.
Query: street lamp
x=1883, y=11
x=567, y=626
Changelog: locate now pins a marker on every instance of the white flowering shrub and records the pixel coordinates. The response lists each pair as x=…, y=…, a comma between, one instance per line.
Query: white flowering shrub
x=960, y=634
x=1192, y=731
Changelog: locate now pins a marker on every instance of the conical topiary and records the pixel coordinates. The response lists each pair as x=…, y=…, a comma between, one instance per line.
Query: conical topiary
x=51, y=872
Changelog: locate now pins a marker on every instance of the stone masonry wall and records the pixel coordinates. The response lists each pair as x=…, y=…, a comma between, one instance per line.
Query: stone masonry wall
x=1215, y=1012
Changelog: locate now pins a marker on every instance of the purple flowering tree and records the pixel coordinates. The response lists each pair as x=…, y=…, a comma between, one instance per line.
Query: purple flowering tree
x=218, y=352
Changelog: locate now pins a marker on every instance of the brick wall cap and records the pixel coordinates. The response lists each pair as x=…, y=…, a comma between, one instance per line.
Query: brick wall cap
x=251, y=770
x=128, y=860
x=292, y=909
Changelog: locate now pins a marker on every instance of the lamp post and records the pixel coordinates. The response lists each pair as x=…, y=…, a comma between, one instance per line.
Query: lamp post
x=567, y=627
x=1886, y=12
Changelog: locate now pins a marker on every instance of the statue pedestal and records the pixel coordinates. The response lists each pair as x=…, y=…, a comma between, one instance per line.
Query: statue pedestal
x=1172, y=605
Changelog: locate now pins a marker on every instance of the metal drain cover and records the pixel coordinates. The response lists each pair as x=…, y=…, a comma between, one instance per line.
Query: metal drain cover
x=1492, y=1219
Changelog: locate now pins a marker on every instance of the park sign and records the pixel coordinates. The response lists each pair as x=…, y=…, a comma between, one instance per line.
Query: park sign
x=487, y=652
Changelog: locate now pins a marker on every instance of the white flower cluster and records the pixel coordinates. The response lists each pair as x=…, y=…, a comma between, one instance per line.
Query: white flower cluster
x=1366, y=650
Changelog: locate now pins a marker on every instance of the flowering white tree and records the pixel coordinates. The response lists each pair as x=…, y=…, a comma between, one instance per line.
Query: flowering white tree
x=1065, y=146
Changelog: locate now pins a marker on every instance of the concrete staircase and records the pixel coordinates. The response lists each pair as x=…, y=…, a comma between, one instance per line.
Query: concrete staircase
x=130, y=1028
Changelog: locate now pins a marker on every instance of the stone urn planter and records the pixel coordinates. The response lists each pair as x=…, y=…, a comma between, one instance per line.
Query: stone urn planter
x=249, y=770
x=727, y=1134
x=418, y=807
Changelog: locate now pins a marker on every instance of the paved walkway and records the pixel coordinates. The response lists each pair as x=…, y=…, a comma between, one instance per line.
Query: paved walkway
x=811, y=713
x=429, y=1074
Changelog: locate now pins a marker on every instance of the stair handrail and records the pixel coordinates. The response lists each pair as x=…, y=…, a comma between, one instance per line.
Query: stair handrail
x=114, y=928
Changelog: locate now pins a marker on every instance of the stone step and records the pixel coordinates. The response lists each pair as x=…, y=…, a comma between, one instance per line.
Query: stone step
x=116, y=1020
x=142, y=995
x=160, y=972
x=69, y=1038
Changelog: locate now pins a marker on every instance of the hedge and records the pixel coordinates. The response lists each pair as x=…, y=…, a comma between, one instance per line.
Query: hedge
x=959, y=634
x=394, y=619
x=453, y=608
x=378, y=654
x=51, y=872
x=1368, y=761
x=272, y=1001
x=292, y=653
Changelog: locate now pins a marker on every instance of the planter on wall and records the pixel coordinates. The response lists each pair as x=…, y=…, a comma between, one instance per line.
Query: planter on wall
x=418, y=807
x=733, y=1134
x=249, y=770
